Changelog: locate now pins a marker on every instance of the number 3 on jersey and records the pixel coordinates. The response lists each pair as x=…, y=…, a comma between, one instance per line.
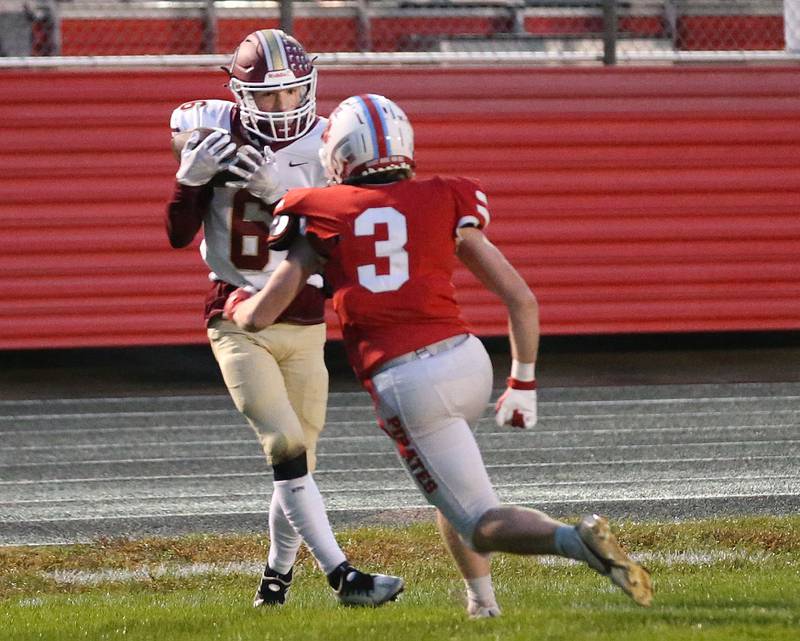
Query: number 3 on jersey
x=391, y=248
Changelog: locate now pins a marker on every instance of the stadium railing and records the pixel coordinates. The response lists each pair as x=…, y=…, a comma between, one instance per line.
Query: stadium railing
x=150, y=32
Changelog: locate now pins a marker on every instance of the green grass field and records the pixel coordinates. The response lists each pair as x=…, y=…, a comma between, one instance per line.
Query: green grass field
x=715, y=580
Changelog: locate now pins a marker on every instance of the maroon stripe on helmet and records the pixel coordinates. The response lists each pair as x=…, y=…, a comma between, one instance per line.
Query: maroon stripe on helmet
x=377, y=123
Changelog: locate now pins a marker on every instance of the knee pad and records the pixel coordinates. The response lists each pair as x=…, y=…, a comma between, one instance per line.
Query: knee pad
x=293, y=468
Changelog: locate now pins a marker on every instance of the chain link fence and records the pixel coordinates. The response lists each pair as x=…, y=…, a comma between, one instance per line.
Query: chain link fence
x=560, y=30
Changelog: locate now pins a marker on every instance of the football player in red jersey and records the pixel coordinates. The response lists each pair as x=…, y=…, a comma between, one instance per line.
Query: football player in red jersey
x=388, y=244
x=277, y=377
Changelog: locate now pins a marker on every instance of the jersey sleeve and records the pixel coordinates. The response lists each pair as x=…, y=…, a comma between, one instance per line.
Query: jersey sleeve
x=321, y=230
x=282, y=231
x=215, y=114
x=472, y=206
x=189, y=205
x=302, y=216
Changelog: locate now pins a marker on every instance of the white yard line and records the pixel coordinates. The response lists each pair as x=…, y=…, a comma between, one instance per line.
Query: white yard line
x=147, y=573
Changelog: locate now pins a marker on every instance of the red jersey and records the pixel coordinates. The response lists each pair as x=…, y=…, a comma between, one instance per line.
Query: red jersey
x=391, y=255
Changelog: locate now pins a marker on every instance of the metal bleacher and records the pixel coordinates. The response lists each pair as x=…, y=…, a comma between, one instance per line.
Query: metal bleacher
x=557, y=27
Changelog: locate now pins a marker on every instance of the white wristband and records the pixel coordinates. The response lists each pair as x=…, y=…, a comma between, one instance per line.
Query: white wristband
x=524, y=372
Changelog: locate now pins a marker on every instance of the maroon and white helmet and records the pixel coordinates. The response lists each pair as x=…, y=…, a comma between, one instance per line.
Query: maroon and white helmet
x=271, y=60
x=366, y=135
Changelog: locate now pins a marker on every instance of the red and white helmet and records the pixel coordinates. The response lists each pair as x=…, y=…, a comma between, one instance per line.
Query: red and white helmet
x=271, y=60
x=367, y=134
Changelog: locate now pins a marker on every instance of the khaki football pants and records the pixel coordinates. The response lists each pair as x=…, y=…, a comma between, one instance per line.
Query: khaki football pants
x=278, y=380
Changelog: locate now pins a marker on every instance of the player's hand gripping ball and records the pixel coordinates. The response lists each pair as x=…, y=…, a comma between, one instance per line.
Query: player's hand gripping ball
x=204, y=155
x=258, y=174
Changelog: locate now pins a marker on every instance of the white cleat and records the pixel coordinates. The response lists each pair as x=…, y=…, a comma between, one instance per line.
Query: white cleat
x=359, y=588
x=606, y=555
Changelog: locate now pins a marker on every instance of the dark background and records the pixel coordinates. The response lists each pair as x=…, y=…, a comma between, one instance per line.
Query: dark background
x=642, y=359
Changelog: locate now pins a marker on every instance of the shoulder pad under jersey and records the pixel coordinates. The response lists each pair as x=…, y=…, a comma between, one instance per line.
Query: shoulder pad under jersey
x=215, y=114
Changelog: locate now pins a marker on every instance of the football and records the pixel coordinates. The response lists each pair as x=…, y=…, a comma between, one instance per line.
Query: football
x=179, y=140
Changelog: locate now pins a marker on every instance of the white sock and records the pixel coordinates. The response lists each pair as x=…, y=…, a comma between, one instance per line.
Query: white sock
x=284, y=542
x=481, y=591
x=303, y=507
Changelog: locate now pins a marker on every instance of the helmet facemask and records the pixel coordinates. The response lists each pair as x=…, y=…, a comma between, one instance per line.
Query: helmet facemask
x=277, y=126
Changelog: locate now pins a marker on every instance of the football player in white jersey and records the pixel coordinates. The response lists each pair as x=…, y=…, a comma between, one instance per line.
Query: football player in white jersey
x=277, y=378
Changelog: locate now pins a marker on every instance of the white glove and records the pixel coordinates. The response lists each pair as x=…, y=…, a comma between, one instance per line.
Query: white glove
x=201, y=161
x=259, y=174
x=517, y=406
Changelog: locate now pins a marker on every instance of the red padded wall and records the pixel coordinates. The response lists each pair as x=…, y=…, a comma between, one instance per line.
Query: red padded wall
x=632, y=200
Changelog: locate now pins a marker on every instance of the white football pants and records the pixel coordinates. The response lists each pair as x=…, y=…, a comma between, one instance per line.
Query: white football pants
x=426, y=406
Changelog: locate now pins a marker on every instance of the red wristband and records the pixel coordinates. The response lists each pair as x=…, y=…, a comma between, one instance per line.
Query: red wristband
x=513, y=383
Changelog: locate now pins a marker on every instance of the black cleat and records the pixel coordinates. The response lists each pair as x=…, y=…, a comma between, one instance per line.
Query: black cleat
x=273, y=588
x=354, y=587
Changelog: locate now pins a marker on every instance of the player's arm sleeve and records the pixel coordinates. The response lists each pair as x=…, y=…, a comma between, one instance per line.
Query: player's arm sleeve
x=471, y=204
x=283, y=230
x=185, y=211
x=187, y=207
x=292, y=219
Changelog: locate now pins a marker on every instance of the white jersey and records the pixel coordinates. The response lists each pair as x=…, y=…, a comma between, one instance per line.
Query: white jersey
x=237, y=223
